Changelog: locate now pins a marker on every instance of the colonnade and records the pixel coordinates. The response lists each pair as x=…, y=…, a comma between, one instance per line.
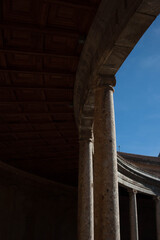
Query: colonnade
x=134, y=234
x=98, y=202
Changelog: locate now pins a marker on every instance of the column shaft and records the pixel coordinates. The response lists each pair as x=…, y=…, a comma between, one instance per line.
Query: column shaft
x=85, y=190
x=158, y=217
x=133, y=216
x=106, y=202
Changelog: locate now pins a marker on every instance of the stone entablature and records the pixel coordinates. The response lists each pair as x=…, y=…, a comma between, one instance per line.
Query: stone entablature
x=133, y=177
x=148, y=164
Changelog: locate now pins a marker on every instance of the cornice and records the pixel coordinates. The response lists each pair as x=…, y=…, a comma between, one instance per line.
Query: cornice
x=130, y=176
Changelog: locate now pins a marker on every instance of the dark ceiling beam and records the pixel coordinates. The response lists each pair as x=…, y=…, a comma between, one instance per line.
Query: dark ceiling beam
x=34, y=149
x=39, y=29
x=39, y=131
x=69, y=103
x=56, y=157
x=52, y=147
x=38, y=148
x=43, y=87
x=39, y=144
x=24, y=122
x=76, y=4
x=34, y=113
x=37, y=88
x=53, y=73
x=57, y=103
x=42, y=54
x=36, y=144
x=31, y=156
x=3, y=114
x=47, y=141
x=61, y=159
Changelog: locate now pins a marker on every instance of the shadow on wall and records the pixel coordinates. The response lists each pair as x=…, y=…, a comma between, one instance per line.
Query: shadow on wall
x=35, y=208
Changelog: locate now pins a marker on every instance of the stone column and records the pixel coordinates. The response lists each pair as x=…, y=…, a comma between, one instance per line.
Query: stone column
x=85, y=187
x=106, y=203
x=158, y=217
x=133, y=215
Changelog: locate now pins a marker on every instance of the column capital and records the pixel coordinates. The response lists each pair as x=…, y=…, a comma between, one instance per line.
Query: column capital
x=85, y=134
x=132, y=191
x=106, y=81
x=156, y=198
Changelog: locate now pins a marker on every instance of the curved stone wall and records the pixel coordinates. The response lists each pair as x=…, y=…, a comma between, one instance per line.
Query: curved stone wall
x=35, y=208
x=32, y=208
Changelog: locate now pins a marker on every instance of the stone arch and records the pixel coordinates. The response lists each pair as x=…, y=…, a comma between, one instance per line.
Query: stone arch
x=115, y=31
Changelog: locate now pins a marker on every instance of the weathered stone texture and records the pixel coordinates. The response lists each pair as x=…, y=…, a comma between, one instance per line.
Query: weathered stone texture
x=106, y=204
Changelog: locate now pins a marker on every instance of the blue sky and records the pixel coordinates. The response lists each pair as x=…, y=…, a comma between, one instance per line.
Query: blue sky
x=137, y=96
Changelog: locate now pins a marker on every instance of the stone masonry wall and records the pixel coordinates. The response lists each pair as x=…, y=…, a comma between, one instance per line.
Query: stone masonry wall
x=32, y=208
